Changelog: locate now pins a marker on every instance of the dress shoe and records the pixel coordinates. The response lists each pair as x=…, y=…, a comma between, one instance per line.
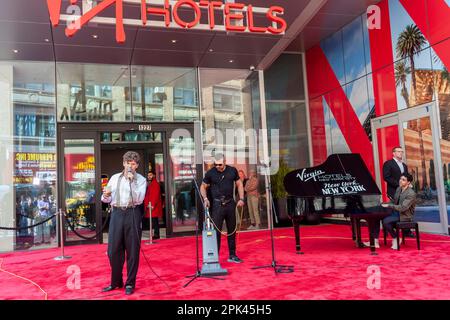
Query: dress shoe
x=110, y=288
x=376, y=243
x=129, y=290
x=234, y=259
x=394, y=244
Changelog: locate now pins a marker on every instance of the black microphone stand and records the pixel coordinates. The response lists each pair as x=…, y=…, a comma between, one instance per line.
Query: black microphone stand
x=277, y=268
x=198, y=272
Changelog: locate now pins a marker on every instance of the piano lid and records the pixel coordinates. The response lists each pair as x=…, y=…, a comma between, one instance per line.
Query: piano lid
x=340, y=175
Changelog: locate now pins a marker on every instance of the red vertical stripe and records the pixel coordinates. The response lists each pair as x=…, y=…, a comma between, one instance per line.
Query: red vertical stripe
x=318, y=135
x=321, y=78
x=317, y=121
x=384, y=88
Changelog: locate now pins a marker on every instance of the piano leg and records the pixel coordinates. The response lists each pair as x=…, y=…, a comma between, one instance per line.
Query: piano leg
x=297, y=236
x=370, y=226
x=359, y=243
x=353, y=223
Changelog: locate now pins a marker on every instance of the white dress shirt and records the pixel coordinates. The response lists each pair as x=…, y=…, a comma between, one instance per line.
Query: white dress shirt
x=138, y=189
x=400, y=164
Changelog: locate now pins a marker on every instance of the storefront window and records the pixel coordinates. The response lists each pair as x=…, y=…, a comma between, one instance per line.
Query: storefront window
x=164, y=94
x=286, y=109
x=28, y=155
x=441, y=91
x=93, y=92
x=231, y=126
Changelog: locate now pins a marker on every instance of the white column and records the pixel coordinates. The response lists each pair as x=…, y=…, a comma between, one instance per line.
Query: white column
x=118, y=96
x=63, y=100
x=168, y=102
x=7, y=203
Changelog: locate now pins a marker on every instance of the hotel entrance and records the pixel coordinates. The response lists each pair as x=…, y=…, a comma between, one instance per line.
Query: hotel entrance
x=91, y=153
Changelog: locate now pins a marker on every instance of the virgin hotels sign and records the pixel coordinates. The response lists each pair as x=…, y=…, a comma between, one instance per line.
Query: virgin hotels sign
x=227, y=16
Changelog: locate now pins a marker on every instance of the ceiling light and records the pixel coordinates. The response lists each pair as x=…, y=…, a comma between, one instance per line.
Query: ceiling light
x=95, y=36
x=231, y=61
x=174, y=41
x=211, y=50
x=16, y=51
x=47, y=40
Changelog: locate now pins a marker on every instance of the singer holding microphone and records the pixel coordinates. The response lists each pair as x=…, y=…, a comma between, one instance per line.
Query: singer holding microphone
x=125, y=192
x=222, y=179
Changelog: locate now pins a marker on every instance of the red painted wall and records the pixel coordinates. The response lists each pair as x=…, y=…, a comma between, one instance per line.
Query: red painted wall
x=431, y=17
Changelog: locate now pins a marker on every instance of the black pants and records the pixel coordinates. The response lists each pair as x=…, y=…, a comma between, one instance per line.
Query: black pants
x=155, y=225
x=227, y=213
x=125, y=230
x=388, y=223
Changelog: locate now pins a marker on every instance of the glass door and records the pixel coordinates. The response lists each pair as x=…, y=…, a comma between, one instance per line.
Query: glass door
x=79, y=191
x=418, y=135
x=184, y=154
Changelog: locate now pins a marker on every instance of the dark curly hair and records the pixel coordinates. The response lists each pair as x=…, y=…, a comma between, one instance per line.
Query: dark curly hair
x=131, y=156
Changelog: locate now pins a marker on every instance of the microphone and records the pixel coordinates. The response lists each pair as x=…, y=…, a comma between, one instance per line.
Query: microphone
x=130, y=171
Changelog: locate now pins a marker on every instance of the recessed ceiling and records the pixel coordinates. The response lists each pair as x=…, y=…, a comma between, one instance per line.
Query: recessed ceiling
x=25, y=26
x=333, y=16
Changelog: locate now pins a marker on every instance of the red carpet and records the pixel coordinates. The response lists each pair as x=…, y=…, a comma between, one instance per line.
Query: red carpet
x=331, y=268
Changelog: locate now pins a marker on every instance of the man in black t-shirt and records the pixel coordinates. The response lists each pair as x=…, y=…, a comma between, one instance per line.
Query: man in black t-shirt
x=221, y=180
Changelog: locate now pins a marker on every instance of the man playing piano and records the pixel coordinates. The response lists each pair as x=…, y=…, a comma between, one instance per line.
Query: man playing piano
x=404, y=204
x=392, y=169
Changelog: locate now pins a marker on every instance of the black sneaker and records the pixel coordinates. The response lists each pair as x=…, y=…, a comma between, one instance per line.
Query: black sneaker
x=234, y=259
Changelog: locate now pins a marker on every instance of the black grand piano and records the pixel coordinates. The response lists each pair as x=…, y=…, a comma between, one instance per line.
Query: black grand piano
x=340, y=185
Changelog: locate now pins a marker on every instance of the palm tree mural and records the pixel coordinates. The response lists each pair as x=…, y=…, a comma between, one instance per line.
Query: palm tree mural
x=409, y=43
x=401, y=73
x=445, y=76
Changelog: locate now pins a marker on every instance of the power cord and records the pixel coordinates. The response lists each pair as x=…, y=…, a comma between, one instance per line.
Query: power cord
x=211, y=219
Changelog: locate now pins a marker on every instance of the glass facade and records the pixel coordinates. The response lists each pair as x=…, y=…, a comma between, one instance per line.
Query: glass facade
x=231, y=126
x=37, y=95
x=286, y=112
x=97, y=93
x=28, y=154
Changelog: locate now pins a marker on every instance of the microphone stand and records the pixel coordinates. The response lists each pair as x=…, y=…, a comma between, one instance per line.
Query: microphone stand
x=277, y=268
x=198, y=272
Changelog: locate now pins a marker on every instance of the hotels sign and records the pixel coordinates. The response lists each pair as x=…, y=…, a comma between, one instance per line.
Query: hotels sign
x=236, y=17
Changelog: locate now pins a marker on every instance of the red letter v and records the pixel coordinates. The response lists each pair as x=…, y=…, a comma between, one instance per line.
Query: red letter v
x=54, y=9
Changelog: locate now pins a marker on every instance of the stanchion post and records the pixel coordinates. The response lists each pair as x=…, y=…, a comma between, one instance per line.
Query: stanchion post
x=61, y=235
x=151, y=225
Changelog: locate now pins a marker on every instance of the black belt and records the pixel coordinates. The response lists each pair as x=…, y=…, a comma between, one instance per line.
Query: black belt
x=124, y=208
x=224, y=201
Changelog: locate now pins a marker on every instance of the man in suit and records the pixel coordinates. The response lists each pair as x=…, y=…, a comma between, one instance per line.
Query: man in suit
x=393, y=169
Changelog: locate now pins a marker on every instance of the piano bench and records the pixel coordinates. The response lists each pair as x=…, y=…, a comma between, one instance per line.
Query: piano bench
x=400, y=226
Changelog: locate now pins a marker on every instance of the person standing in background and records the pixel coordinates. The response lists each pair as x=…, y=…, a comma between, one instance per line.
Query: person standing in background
x=393, y=169
x=153, y=198
x=253, y=200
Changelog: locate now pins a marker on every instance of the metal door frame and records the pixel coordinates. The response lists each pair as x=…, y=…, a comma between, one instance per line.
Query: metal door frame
x=398, y=118
x=61, y=186
x=92, y=130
